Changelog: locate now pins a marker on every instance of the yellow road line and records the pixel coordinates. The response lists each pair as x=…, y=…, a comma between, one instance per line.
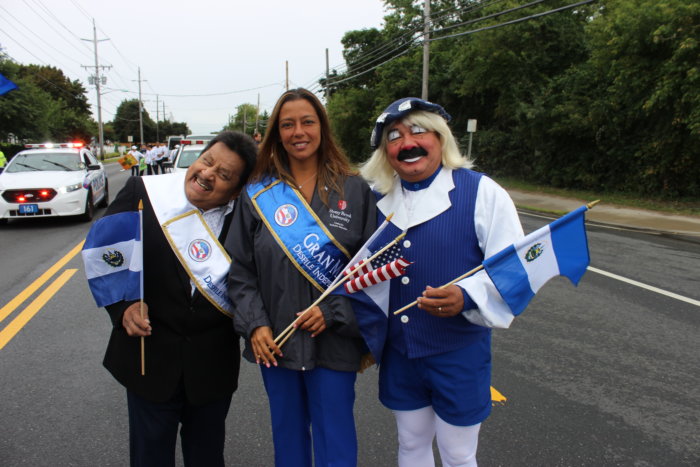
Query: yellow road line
x=34, y=286
x=33, y=308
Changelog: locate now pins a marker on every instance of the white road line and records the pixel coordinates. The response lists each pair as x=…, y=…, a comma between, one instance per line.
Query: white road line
x=645, y=286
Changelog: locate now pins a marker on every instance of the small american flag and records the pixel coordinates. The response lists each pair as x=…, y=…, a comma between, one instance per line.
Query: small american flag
x=386, y=266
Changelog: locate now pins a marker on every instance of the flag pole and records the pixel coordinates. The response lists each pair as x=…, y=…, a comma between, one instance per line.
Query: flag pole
x=286, y=334
x=143, y=341
x=469, y=273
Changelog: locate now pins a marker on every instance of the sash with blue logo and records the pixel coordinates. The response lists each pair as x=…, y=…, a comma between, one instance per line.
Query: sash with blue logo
x=299, y=232
x=191, y=239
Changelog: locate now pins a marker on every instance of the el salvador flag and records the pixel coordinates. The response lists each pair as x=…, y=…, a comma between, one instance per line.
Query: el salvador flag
x=113, y=258
x=557, y=249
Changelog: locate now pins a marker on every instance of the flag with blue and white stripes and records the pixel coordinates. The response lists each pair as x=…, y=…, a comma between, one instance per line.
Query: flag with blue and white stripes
x=113, y=258
x=557, y=249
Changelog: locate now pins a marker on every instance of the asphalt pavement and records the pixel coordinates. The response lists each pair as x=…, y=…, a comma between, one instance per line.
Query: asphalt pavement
x=687, y=227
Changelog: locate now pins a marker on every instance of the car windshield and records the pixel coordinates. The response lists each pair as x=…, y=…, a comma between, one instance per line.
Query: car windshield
x=45, y=162
x=187, y=157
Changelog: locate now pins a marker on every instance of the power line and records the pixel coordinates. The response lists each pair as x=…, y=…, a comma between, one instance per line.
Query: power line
x=507, y=23
x=22, y=32
x=225, y=93
x=515, y=21
x=493, y=15
x=56, y=21
x=437, y=16
x=369, y=60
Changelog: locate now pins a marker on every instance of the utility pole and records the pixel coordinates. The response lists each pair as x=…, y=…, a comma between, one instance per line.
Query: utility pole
x=426, y=48
x=98, y=82
x=257, y=114
x=164, y=111
x=157, y=118
x=140, y=107
x=286, y=75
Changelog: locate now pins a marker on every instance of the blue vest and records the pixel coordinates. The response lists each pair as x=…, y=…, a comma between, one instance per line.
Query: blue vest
x=442, y=249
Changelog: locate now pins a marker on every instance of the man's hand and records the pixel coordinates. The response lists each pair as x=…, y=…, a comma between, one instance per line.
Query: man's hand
x=442, y=302
x=134, y=324
x=312, y=321
x=264, y=347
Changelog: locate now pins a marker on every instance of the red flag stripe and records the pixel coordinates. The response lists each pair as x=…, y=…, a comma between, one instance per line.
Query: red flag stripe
x=363, y=267
x=386, y=272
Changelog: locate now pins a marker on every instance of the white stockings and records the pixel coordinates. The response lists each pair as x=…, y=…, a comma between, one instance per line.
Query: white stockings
x=417, y=428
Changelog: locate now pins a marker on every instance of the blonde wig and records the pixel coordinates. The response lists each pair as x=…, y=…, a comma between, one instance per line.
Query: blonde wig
x=379, y=173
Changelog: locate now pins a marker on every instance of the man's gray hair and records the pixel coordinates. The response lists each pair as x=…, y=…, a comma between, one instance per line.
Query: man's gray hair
x=380, y=175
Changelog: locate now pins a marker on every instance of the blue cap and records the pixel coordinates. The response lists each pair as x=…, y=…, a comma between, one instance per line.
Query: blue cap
x=400, y=108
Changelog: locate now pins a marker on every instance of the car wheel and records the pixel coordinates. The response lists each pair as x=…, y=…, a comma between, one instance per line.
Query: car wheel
x=89, y=208
x=105, y=199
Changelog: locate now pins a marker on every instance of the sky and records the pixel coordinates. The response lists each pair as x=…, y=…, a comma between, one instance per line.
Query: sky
x=198, y=59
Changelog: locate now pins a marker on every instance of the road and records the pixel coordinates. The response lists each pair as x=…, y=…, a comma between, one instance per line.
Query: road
x=602, y=374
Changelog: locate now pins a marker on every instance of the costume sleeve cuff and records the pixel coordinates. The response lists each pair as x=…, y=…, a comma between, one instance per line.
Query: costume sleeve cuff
x=492, y=311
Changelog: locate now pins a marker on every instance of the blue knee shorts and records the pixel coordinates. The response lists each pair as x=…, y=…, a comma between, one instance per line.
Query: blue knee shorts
x=457, y=384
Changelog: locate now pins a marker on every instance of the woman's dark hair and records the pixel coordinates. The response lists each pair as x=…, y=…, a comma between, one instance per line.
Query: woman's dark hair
x=273, y=160
x=241, y=144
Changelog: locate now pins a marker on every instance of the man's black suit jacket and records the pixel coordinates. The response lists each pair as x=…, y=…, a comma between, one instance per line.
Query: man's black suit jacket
x=191, y=340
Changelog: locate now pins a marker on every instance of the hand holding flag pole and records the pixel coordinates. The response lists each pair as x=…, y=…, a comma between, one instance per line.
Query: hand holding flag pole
x=453, y=281
x=528, y=239
x=337, y=282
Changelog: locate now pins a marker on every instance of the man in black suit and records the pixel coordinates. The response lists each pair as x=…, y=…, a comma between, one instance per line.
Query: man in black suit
x=191, y=351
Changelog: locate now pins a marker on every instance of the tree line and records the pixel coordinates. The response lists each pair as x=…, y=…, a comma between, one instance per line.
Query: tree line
x=605, y=96
x=48, y=106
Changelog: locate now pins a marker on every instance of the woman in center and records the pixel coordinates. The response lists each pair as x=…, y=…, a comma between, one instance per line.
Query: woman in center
x=301, y=218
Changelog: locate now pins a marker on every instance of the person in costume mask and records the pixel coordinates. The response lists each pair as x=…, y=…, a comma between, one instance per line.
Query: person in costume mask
x=191, y=352
x=301, y=218
x=436, y=365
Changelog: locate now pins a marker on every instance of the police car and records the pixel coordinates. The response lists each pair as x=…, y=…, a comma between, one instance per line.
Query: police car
x=47, y=180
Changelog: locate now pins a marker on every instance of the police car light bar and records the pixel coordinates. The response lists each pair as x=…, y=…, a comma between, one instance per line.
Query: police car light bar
x=53, y=145
x=193, y=141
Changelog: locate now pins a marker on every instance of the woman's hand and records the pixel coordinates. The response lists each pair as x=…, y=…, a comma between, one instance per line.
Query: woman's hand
x=312, y=321
x=264, y=347
x=442, y=303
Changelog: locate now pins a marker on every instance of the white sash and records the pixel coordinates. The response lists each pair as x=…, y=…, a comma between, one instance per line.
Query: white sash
x=191, y=239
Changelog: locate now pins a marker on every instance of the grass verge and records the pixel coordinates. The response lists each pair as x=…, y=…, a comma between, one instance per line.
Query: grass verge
x=679, y=206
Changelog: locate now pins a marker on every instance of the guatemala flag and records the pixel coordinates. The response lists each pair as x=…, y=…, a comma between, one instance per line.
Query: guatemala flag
x=6, y=85
x=371, y=304
x=557, y=249
x=113, y=258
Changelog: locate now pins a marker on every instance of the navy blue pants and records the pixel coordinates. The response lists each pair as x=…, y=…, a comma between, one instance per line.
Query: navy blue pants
x=321, y=399
x=153, y=430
